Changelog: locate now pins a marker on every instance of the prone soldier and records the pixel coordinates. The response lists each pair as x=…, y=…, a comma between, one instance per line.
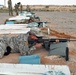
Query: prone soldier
x=17, y=44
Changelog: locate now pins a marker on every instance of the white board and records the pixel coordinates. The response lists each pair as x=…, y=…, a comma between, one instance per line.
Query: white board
x=13, y=26
x=19, y=18
x=14, y=29
x=31, y=69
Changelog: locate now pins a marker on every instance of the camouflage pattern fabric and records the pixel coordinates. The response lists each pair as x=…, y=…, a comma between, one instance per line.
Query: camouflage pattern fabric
x=36, y=31
x=16, y=9
x=16, y=43
x=2, y=47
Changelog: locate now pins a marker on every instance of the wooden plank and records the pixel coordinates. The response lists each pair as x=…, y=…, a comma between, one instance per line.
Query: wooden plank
x=13, y=26
x=17, y=31
x=31, y=69
x=19, y=18
x=14, y=29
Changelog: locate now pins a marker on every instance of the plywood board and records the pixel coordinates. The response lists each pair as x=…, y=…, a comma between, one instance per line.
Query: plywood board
x=13, y=29
x=31, y=69
x=19, y=18
x=13, y=26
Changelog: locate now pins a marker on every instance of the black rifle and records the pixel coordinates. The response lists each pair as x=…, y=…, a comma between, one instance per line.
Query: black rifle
x=47, y=42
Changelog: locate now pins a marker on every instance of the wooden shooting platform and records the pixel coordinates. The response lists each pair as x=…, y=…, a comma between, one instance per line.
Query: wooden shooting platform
x=14, y=29
x=31, y=69
x=19, y=18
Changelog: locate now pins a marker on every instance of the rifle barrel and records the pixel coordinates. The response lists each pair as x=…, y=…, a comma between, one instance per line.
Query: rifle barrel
x=72, y=40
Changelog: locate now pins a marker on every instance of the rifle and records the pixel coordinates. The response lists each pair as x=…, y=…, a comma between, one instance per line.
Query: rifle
x=47, y=42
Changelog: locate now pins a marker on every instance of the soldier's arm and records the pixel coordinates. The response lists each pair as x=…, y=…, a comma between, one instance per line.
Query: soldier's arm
x=35, y=47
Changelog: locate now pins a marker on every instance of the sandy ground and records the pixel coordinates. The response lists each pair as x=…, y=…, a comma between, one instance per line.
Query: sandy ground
x=60, y=21
x=63, y=22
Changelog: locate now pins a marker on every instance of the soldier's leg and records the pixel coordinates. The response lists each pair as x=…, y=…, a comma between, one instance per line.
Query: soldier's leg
x=11, y=11
x=17, y=12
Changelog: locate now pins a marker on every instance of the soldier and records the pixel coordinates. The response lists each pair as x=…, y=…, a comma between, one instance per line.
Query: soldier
x=28, y=8
x=17, y=44
x=16, y=9
x=10, y=8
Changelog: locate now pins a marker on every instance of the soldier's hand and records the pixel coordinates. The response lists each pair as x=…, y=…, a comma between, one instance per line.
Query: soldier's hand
x=38, y=45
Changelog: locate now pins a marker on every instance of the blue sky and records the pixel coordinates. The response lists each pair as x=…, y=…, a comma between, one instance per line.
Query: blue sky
x=42, y=2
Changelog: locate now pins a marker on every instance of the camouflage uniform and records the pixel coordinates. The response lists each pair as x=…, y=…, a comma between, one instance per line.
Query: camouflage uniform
x=18, y=44
x=36, y=31
x=28, y=8
x=2, y=47
x=16, y=9
x=10, y=7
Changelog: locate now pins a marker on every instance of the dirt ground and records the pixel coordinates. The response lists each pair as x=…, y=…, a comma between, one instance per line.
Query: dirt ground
x=63, y=24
